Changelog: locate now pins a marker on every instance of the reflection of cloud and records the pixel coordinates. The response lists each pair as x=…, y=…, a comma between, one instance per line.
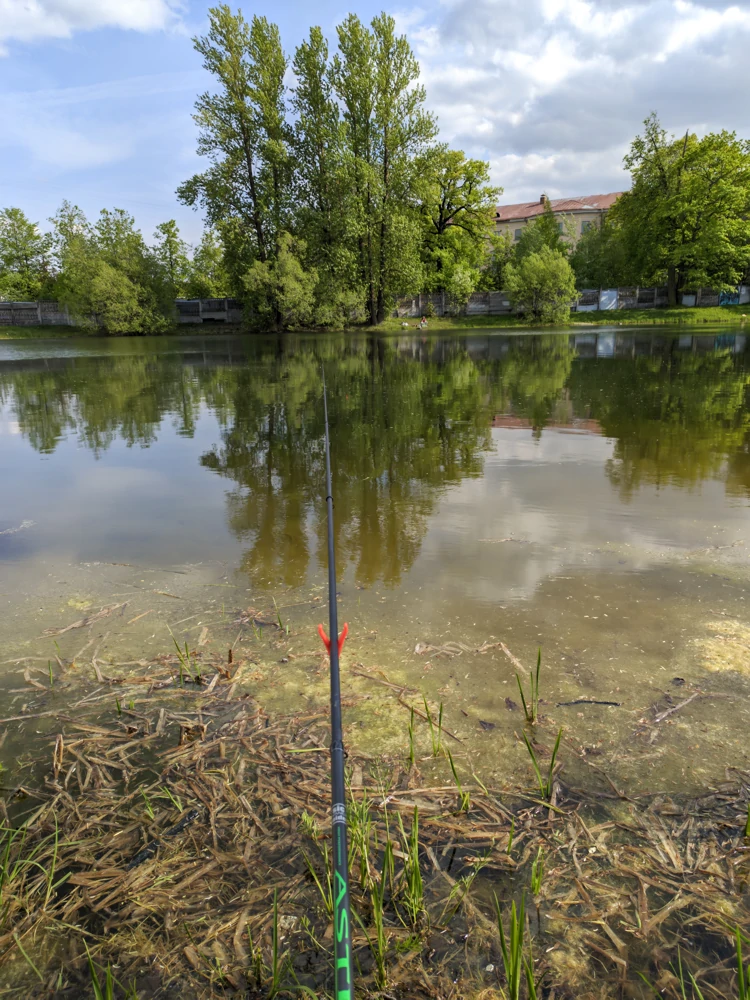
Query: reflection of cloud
x=545, y=507
x=31, y=20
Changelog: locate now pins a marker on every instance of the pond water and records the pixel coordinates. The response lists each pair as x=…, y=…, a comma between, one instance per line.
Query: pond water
x=586, y=494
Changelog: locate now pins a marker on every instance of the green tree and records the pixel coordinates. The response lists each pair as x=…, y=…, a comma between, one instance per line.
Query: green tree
x=599, y=258
x=171, y=251
x=545, y=231
x=207, y=276
x=326, y=209
x=502, y=252
x=686, y=219
x=457, y=205
x=242, y=130
x=24, y=257
x=281, y=292
x=542, y=286
x=375, y=74
x=107, y=276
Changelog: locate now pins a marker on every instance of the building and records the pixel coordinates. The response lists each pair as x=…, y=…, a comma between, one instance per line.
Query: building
x=574, y=215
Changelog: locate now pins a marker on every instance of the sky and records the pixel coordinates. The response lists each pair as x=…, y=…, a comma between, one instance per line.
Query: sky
x=96, y=96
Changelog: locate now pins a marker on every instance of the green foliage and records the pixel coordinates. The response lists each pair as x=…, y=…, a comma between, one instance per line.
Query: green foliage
x=686, y=220
x=207, y=276
x=24, y=257
x=171, y=251
x=107, y=276
x=457, y=205
x=502, y=252
x=280, y=292
x=545, y=231
x=242, y=130
x=599, y=259
x=542, y=285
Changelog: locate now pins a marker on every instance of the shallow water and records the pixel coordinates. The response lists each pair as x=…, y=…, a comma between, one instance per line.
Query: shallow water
x=586, y=494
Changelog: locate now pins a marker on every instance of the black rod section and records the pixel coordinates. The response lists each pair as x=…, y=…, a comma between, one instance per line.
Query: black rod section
x=342, y=918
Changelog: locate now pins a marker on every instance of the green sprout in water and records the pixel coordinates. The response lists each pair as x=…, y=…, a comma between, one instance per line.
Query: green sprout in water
x=511, y=948
x=537, y=872
x=545, y=785
x=436, y=734
x=531, y=708
x=463, y=797
x=149, y=807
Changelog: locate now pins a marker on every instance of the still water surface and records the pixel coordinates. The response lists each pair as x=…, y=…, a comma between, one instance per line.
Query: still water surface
x=588, y=494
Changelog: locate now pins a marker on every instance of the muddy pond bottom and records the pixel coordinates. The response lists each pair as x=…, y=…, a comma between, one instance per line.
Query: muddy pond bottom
x=586, y=495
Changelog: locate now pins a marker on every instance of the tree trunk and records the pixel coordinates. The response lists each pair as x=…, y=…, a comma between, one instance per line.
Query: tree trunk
x=672, y=285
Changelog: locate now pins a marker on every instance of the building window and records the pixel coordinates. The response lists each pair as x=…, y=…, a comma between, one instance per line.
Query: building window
x=585, y=226
x=517, y=235
x=559, y=227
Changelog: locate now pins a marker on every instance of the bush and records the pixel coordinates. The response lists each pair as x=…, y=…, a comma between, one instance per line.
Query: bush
x=280, y=292
x=542, y=286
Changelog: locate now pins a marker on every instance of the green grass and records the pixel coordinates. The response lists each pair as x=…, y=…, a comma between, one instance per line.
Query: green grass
x=696, y=316
x=41, y=332
x=664, y=316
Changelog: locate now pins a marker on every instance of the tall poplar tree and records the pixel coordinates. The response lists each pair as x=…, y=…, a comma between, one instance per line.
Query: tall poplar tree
x=243, y=130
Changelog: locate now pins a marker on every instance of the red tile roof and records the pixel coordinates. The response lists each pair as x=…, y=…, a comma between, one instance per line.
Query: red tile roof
x=529, y=209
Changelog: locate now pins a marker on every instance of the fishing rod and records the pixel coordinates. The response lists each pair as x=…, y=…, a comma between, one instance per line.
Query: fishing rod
x=342, y=917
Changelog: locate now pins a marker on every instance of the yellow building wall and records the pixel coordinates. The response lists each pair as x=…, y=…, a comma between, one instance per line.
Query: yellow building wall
x=572, y=223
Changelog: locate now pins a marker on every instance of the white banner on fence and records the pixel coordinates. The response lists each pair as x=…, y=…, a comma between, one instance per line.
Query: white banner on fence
x=608, y=298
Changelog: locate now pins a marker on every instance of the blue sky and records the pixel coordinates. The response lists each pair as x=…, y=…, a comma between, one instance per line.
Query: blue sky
x=96, y=95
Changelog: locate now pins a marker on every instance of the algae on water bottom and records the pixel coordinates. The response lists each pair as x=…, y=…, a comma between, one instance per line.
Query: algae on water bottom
x=177, y=843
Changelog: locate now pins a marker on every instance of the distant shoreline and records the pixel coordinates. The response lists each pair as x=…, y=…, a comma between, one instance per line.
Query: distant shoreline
x=678, y=316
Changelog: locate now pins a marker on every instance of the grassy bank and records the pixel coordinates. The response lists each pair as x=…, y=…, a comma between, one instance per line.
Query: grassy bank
x=41, y=332
x=681, y=315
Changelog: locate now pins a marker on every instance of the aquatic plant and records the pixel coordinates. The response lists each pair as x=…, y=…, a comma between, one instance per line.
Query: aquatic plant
x=531, y=708
x=186, y=664
x=360, y=828
x=743, y=975
x=436, y=732
x=545, y=784
x=464, y=798
x=413, y=885
x=107, y=991
x=379, y=944
x=515, y=964
x=537, y=872
x=411, y=746
x=326, y=891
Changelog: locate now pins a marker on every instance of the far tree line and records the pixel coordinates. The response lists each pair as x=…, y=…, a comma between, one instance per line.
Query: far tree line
x=327, y=196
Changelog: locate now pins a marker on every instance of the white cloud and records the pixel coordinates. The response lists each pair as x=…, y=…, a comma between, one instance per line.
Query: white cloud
x=72, y=131
x=31, y=20
x=553, y=91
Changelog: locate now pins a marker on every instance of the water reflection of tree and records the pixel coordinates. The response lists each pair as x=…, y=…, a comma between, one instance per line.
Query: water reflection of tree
x=101, y=399
x=675, y=419
x=532, y=377
x=400, y=432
